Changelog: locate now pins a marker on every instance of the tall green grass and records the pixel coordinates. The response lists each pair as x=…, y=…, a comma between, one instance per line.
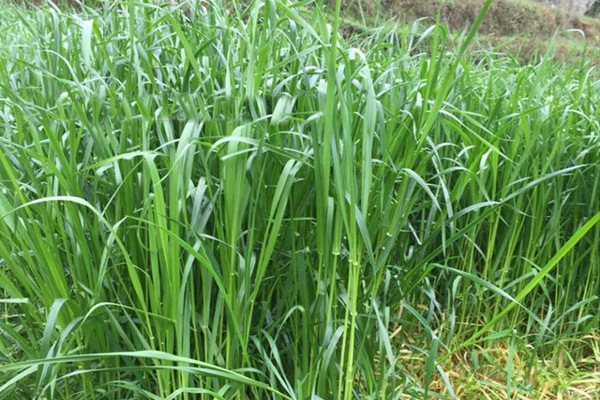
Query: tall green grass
x=237, y=203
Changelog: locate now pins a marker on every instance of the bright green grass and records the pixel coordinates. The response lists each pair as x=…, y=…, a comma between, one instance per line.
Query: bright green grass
x=238, y=204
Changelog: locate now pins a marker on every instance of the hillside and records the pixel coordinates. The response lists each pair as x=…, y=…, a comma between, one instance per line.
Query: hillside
x=523, y=28
x=585, y=7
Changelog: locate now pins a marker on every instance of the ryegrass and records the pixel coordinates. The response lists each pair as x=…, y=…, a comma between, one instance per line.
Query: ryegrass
x=234, y=202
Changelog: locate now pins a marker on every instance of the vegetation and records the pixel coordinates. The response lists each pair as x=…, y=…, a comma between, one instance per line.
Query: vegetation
x=520, y=27
x=223, y=202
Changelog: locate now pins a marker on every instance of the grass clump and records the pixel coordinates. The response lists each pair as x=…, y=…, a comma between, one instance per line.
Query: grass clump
x=237, y=203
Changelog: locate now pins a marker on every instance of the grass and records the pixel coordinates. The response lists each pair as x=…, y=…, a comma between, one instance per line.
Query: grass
x=237, y=203
x=523, y=28
x=512, y=369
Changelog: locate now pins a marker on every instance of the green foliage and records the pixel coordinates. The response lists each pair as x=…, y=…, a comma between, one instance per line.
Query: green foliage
x=213, y=201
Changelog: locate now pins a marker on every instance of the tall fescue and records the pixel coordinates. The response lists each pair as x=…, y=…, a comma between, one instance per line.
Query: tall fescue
x=235, y=202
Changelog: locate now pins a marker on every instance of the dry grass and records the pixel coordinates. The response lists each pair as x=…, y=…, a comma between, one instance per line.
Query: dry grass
x=514, y=370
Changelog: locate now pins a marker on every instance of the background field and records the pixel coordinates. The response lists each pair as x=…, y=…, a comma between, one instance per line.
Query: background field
x=269, y=201
x=523, y=28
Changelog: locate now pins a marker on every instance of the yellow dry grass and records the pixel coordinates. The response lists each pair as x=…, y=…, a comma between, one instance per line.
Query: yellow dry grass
x=505, y=371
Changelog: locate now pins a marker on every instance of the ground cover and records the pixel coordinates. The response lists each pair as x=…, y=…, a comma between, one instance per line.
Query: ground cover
x=239, y=203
